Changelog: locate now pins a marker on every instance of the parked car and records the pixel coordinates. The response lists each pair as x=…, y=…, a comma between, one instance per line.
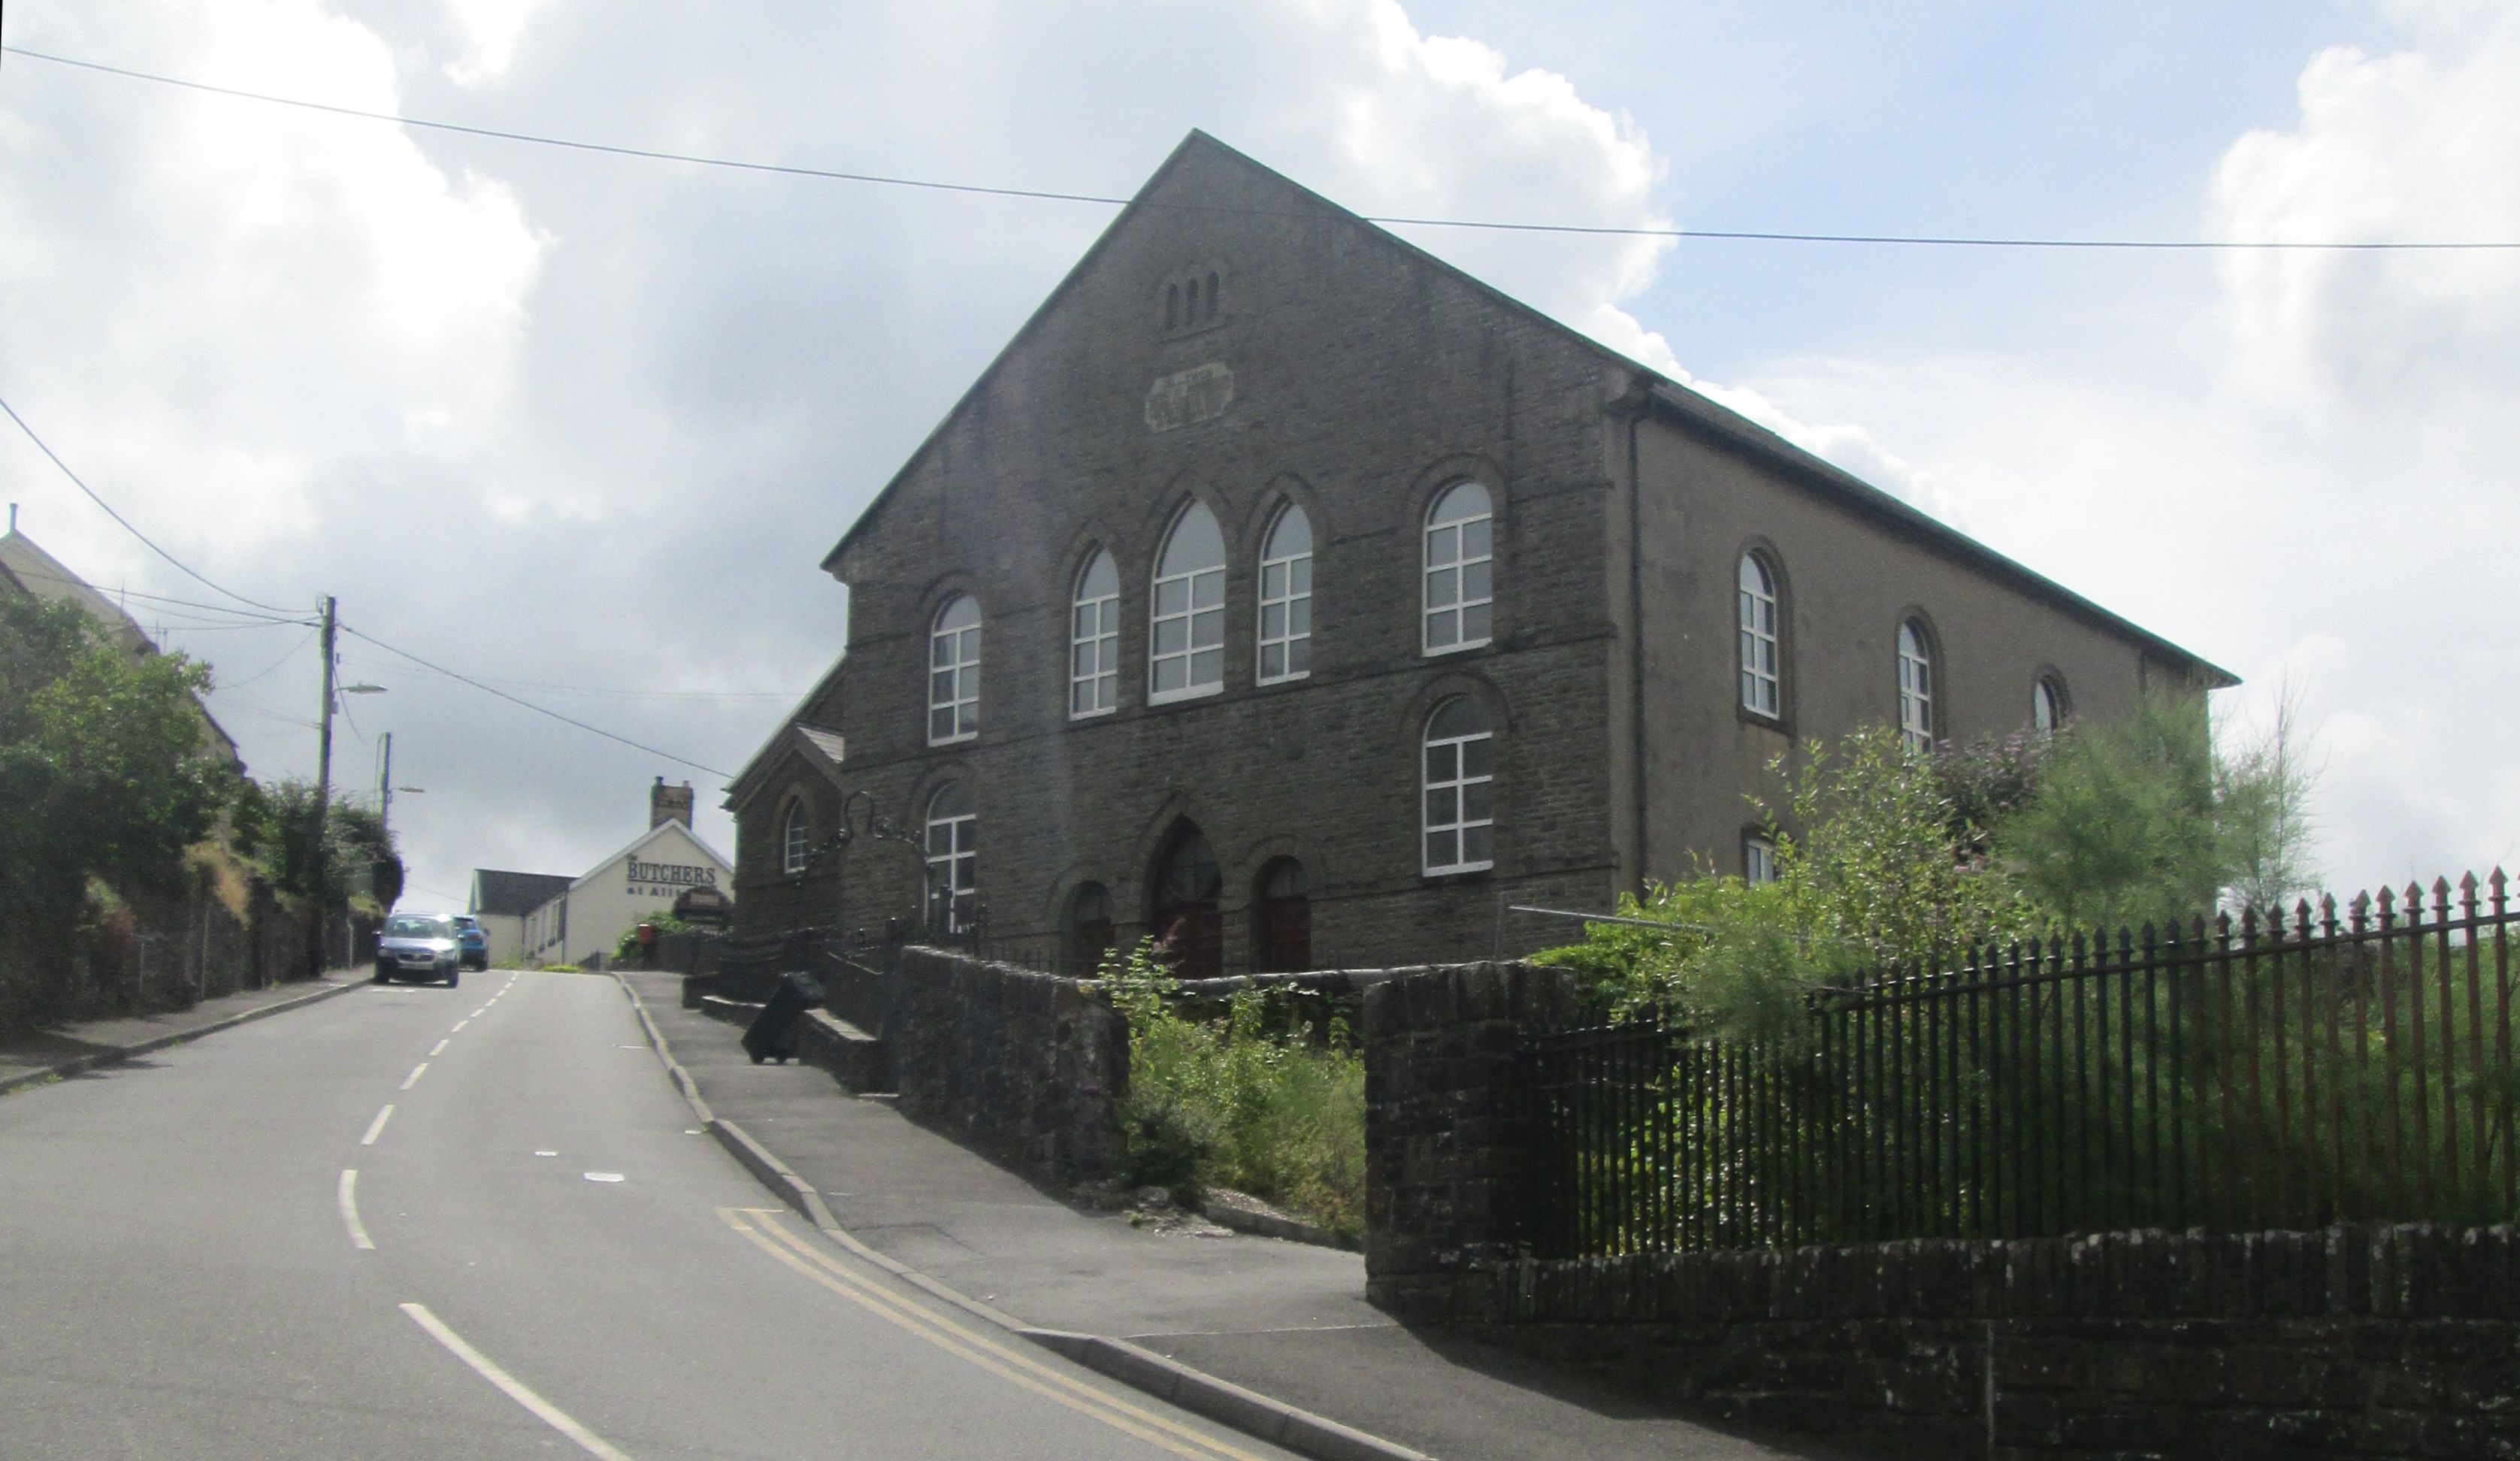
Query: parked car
x=474, y=940
x=420, y=946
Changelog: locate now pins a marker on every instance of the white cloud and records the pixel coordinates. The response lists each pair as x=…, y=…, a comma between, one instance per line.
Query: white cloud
x=492, y=31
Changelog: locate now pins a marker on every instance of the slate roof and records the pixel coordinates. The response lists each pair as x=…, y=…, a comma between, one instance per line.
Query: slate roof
x=514, y=895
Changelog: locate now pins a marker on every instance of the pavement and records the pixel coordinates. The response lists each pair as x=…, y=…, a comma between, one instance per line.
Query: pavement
x=59, y=1051
x=409, y=1221
x=1287, y=1321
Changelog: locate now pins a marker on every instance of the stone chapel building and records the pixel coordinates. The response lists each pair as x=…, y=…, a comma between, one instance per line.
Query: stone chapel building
x=1286, y=589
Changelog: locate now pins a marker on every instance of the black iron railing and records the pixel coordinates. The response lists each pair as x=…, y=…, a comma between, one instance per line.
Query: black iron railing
x=2229, y=1076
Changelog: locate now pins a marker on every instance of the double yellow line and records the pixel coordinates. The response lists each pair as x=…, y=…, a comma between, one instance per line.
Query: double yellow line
x=764, y=1229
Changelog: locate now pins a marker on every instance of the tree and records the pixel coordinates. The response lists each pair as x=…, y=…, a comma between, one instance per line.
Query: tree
x=104, y=768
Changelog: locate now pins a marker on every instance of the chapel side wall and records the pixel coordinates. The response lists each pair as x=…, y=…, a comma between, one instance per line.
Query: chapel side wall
x=1847, y=582
x=1364, y=379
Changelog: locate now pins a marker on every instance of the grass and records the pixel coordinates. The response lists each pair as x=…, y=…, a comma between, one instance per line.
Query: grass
x=1279, y=1114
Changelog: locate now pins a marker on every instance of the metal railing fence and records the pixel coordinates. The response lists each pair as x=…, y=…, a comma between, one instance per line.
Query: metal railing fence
x=2232, y=1076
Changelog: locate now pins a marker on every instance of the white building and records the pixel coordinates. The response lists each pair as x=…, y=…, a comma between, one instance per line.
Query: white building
x=502, y=899
x=583, y=923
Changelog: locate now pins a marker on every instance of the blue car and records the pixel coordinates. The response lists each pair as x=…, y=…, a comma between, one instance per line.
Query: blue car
x=471, y=943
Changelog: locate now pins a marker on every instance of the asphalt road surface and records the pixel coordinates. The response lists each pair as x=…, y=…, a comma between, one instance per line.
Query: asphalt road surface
x=413, y=1222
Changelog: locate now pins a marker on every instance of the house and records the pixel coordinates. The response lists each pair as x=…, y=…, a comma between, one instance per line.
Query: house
x=1287, y=593
x=582, y=921
x=502, y=899
x=25, y=568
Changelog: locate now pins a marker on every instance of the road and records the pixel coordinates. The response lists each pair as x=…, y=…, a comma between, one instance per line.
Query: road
x=234, y=1250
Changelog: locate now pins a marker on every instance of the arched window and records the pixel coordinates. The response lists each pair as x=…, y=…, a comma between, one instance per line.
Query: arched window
x=1287, y=598
x=1188, y=891
x=1761, y=687
x=1283, y=928
x=1089, y=927
x=1212, y=292
x=1094, y=639
x=954, y=672
x=1461, y=589
x=1172, y=306
x=1758, y=859
x=796, y=840
x=2048, y=705
x=1460, y=781
x=1186, y=632
x=1915, y=686
x=952, y=860
x=1190, y=315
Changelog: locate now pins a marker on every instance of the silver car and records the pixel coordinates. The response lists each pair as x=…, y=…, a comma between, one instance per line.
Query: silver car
x=420, y=946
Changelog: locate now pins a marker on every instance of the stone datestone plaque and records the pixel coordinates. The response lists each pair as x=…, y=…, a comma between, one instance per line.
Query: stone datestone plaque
x=1187, y=397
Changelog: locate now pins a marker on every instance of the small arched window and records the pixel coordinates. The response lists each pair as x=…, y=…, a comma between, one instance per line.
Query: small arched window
x=1287, y=598
x=1212, y=292
x=796, y=840
x=1282, y=936
x=2048, y=704
x=1915, y=686
x=1185, y=631
x=1172, y=307
x=952, y=860
x=1460, y=558
x=1762, y=685
x=1089, y=927
x=1094, y=639
x=1458, y=778
x=954, y=672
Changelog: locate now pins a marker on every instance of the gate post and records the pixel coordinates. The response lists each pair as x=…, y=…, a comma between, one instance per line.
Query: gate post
x=1453, y=1149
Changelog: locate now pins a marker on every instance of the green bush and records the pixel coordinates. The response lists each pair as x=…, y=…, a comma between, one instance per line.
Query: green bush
x=1229, y=1103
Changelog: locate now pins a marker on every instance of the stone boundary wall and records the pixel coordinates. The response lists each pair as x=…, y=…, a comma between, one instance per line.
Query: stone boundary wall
x=1027, y=1069
x=2353, y=1341
x=167, y=950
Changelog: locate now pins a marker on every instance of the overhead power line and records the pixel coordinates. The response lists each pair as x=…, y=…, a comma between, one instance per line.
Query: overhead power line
x=125, y=521
x=568, y=719
x=1046, y=195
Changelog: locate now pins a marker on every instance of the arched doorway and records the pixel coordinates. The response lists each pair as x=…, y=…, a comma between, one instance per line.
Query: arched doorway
x=1186, y=897
x=1282, y=923
x=1088, y=933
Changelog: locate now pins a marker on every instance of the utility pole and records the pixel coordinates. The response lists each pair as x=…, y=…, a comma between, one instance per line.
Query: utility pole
x=323, y=800
x=384, y=786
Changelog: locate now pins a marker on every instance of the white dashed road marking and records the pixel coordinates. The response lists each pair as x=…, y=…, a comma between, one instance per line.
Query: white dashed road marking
x=377, y=1127
x=459, y=1025
x=544, y=1410
x=349, y=1196
x=438, y=1048
x=601, y=1176
x=412, y=1080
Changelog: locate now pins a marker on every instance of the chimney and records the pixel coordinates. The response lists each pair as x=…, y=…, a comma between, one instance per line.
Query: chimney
x=669, y=804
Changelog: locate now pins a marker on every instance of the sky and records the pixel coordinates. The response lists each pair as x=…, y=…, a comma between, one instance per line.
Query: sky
x=581, y=426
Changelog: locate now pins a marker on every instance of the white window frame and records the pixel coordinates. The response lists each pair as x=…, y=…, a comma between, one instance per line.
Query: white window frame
x=1094, y=643
x=1763, y=690
x=1915, y=686
x=1193, y=617
x=2046, y=706
x=958, y=857
x=954, y=673
x=1758, y=860
x=1285, y=586
x=1453, y=787
x=1440, y=553
x=796, y=840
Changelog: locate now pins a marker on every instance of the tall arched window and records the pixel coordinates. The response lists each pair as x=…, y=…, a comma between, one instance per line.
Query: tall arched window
x=1915, y=686
x=1186, y=632
x=1459, y=768
x=954, y=672
x=1094, y=639
x=1761, y=687
x=1286, y=598
x=952, y=860
x=796, y=840
x=1460, y=563
x=1283, y=921
x=2048, y=705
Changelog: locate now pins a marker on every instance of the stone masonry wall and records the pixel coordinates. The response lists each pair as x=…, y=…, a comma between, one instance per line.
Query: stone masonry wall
x=2345, y=1343
x=1027, y=1069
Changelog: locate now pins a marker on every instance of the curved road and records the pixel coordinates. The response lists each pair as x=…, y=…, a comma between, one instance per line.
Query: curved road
x=537, y=1256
